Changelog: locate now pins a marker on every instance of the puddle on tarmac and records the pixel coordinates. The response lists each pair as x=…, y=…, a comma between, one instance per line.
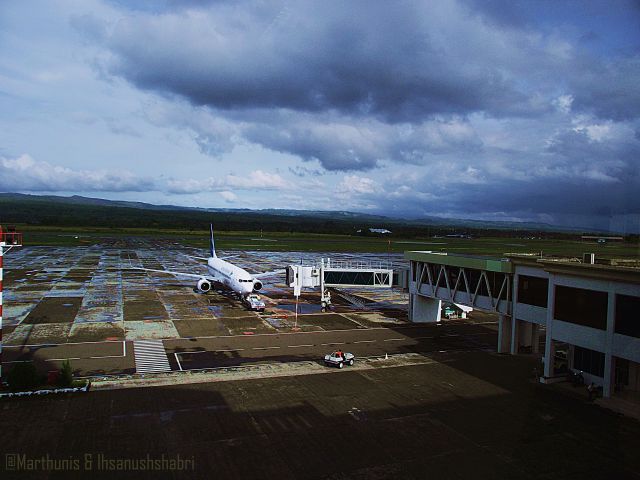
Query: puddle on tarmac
x=302, y=307
x=216, y=309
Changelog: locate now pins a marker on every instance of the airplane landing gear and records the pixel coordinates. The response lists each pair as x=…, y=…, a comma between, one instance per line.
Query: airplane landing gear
x=325, y=300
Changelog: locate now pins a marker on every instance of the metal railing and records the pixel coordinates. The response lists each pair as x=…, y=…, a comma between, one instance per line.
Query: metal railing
x=11, y=238
x=357, y=265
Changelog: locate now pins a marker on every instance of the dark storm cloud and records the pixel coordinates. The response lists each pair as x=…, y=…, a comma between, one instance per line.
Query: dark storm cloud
x=585, y=203
x=399, y=63
x=618, y=158
x=581, y=183
x=334, y=149
x=164, y=5
x=580, y=179
x=525, y=13
x=362, y=145
x=608, y=90
x=501, y=12
x=576, y=175
x=534, y=115
x=360, y=58
x=300, y=171
x=551, y=196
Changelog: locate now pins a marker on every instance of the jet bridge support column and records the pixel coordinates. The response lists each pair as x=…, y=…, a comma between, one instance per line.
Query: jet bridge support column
x=504, y=333
x=424, y=309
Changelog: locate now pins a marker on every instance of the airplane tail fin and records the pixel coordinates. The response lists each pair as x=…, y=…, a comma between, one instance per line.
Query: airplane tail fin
x=212, y=244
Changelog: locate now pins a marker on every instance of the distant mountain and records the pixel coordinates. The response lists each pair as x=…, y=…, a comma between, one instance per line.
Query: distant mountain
x=495, y=224
x=86, y=211
x=79, y=200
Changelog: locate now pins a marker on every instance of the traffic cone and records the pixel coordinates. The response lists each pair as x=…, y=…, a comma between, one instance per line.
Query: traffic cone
x=386, y=356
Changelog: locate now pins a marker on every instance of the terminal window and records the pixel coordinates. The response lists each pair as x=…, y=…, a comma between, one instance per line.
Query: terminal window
x=478, y=283
x=588, y=361
x=581, y=306
x=533, y=290
x=354, y=278
x=627, y=321
x=452, y=273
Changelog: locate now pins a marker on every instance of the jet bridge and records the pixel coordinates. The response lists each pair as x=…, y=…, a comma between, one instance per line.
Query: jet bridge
x=338, y=274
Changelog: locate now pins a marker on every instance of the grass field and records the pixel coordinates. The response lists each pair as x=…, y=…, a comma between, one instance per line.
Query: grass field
x=279, y=241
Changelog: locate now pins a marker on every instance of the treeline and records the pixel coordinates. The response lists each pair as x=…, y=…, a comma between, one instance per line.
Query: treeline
x=40, y=212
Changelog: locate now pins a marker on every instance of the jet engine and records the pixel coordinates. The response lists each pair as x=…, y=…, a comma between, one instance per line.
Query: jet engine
x=257, y=285
x=203, y=285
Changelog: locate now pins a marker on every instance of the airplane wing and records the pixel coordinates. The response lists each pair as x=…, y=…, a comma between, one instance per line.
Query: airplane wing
x=194, y=257
x=205, y=258
x=177, y=274
x=267, y=274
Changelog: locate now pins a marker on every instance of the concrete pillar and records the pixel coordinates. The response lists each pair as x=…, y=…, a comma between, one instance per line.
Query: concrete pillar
x=410, y=309
x=571, y=356
x=549, y=348
x=609, y=362
x=549, y=359
x=535, y=338
x=609, y=374
x=504, y=333
x=425, y=309
x=525, y=334
x=515, y=335
x=514, y=316
x=634, y=376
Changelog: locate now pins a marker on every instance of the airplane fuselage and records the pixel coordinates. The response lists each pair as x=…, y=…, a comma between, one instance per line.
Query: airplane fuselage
x=232, y=276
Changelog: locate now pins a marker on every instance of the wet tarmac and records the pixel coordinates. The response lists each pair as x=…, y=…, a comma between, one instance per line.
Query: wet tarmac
x=469, y=415
x=90, y=294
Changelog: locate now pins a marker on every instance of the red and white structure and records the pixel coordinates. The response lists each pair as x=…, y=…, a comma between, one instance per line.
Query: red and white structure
x=8, y=239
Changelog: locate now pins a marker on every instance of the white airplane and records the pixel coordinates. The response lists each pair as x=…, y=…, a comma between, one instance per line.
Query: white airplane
x=220, y=271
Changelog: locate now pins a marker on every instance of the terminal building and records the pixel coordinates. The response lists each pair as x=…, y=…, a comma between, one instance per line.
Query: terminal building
x=584, y=314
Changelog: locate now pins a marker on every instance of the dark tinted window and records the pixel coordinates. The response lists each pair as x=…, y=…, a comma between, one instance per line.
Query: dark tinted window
x=533, y=290
x=580, y=306
x=588, y=361
x=354, y=278
x=628, y=315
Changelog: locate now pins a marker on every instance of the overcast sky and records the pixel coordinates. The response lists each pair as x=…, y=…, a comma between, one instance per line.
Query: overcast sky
x=484, y=109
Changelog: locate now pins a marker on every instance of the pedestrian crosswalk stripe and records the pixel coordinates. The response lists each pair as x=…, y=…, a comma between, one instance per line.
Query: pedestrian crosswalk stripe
x=150, y=356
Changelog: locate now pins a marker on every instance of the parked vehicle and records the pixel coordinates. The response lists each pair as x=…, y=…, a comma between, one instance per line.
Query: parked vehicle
x=254, y=302
x=575, y=377
x=339, y=359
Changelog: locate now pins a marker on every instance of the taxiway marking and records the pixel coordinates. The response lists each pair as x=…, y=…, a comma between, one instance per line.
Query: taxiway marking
x=211, y=351
x=58, y=344
x=124, y=352
x=254, y=336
